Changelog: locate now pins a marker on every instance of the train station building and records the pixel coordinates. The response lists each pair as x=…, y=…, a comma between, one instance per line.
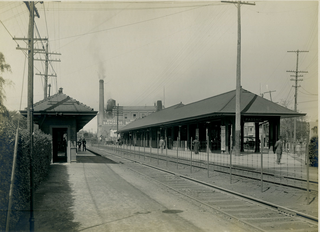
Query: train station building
x=213, y=117
x=62, y=117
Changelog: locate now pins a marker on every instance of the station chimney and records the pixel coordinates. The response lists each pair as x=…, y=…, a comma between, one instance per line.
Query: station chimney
x=101, y=108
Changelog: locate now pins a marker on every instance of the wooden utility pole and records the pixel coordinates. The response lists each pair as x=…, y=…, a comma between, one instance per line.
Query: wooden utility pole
x=269, y=93
x=238, y=79
x=31, y=51
x=46, y=75
x=296, y=96
x=30, y=107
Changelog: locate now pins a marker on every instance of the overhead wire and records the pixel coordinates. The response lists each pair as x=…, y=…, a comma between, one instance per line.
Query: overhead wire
x=173, y=66
x=130, y=24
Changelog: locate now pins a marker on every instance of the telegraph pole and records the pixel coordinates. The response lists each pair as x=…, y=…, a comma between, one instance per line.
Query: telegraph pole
x=269, y=93
x=30, y=107
x=296, y=95
x=238, y=79
x=32, y=12
x=46, y=75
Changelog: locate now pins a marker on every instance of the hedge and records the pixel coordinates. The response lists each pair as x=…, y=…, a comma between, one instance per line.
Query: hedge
x=41, y=163
x=313, y=151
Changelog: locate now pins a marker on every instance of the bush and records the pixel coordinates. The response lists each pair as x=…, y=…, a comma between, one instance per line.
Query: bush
x=41, y=163
x=313, y=151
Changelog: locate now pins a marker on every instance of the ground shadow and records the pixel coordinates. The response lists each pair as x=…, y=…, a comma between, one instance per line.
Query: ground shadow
x=94, y=159
x=53, y=203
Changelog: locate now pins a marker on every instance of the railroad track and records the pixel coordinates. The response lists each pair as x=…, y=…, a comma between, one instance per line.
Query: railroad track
x=239, y=171
x=258, y=214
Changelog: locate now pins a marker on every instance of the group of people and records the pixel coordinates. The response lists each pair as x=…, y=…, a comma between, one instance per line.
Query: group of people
x=84, y=144
x=195, y=143
x=196, y=146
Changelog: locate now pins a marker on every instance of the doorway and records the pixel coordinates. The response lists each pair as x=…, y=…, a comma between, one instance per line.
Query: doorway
x=59, y=145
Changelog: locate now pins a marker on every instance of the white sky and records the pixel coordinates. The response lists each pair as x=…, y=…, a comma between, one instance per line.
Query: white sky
x=185, y=51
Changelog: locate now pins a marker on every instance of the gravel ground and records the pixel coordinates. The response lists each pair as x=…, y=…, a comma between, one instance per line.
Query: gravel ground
x=96, y=194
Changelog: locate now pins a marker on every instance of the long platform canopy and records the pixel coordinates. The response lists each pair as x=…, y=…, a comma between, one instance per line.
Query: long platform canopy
x=217, y=106
x=61, y=106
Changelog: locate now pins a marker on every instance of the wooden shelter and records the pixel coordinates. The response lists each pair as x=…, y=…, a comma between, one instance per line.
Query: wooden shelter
x=213, y=117
x=62, y=117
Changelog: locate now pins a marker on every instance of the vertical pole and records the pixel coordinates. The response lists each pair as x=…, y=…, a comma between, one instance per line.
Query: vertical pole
x=158, y=134
x=231, y=166
x=30, y=108
x=144, y=146
x=178, y=145
x=307, y=155
x=191, y=155
x=295, y=107
x=207, y=137
x=166, y=144
x=12, y=178
x=46, y=71
x=177, y=151
x=238, y=87
x=261, y=162
x=140, y=144
x=117, y=119
x=150, y=139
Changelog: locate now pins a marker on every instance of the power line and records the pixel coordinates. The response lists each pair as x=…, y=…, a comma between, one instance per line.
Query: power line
x=131, y=24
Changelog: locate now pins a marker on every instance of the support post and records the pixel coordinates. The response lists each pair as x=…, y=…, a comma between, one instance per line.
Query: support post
x=262, y=164
x=191, y=155
x=166, y=144
x=207, y=138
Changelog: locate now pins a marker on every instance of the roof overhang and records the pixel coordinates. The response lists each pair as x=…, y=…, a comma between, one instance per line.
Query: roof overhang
x=82, y=118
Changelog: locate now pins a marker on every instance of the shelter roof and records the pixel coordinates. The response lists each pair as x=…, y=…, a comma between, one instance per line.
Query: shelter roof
x=220, y=105
x=61, y=104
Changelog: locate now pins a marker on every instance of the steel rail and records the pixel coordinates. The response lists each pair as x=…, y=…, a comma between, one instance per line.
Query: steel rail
x=269, y=204
x=174, y=160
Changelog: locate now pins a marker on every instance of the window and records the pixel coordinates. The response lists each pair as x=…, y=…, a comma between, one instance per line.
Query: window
x=134, y=115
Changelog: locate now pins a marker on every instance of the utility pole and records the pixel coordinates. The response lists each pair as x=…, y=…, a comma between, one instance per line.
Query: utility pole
x=296, y=95
x=46, y=69
x=238, y=79
x=269, y=93
x=31, y=7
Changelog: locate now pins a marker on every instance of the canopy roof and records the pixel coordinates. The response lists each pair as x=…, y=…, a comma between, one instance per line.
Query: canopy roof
x=219, y=105
x=61, y=106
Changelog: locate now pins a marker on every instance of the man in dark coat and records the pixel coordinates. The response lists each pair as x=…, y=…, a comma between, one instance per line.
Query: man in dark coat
x=278, y=150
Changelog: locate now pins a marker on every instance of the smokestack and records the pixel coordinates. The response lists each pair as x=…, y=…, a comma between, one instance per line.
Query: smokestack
x=159, y=105
x=101, y=107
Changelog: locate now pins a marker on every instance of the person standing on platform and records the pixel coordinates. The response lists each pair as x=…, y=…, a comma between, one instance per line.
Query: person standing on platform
x=196, y=145
x=278, y=150
x=162, y=144
x=84, y=144
x=79, y=145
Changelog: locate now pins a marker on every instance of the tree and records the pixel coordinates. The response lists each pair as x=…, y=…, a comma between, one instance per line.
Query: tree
x=287, y=128
x=3, y=68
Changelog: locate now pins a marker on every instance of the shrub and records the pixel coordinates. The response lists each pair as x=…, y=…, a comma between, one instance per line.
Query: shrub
x=313, y=151
x=41, y=163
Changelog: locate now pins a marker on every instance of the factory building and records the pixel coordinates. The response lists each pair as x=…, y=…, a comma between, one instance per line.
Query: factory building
x=113, y=117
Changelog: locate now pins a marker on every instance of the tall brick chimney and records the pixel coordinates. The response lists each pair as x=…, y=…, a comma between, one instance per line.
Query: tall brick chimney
x=101, y=107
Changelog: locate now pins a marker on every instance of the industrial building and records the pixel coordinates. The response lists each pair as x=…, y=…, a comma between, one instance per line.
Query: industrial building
x=112, y=117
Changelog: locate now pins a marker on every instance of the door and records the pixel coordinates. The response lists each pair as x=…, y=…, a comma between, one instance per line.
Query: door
x=59, y=145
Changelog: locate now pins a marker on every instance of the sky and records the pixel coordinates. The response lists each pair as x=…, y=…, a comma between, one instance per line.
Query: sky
x=179, y=51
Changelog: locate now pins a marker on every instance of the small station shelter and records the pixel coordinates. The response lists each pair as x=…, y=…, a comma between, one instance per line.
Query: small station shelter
x=62, y=117
x=213, y=117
